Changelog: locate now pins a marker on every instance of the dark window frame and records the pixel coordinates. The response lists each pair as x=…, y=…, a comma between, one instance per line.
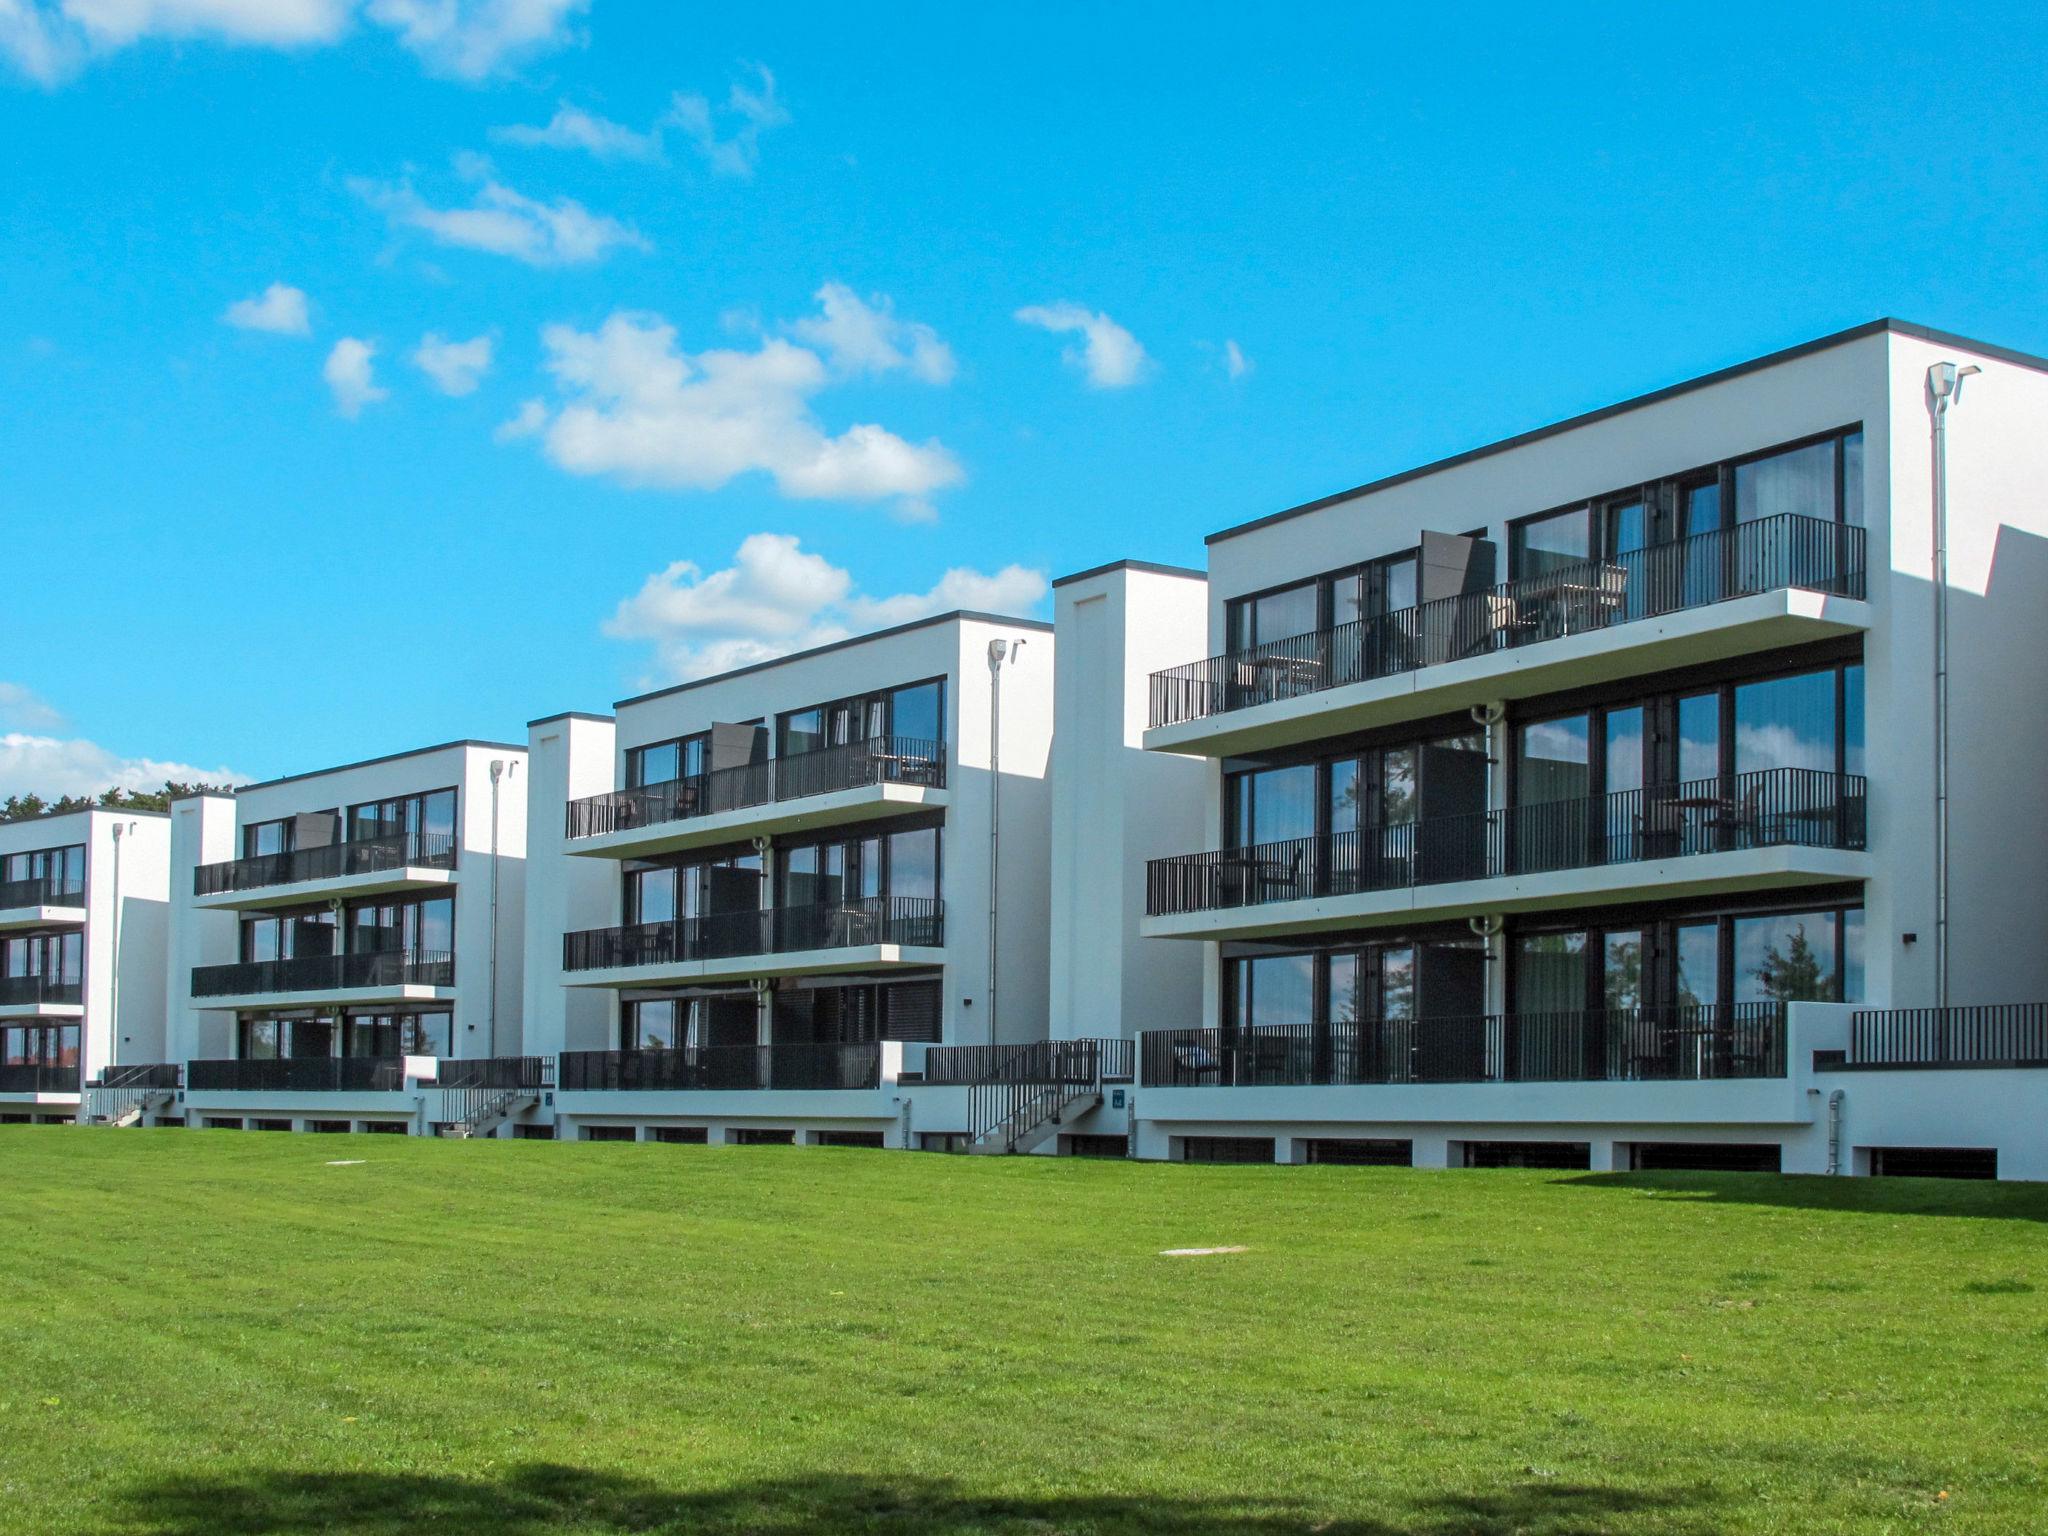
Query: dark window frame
x=864, y=707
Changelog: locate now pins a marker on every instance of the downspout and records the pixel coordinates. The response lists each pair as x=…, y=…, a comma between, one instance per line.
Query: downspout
x=1944, y=386
x=499, y=770
x=114, y=967
x=997, y=650
x=1835, y=1131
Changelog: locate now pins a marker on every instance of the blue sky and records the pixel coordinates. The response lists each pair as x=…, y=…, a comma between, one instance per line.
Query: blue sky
x=1301, y=248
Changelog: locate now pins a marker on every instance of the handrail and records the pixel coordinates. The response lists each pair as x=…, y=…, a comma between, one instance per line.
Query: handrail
x=1768, y=808
x=330, y=861
x=297, y=1074
x=41, y=891
x=906, y=920
x=797, y=775
x=801, y=1066
x=1027, y=1084
x=1764, y=555
x=326, y=973
x=474, y=1090
x=41, y=988
x=1994, y=1034
x=1689, y=1044
x=150, y=1075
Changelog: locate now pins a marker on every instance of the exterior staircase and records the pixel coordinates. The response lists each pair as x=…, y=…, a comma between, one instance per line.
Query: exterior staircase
x=128, y=1095
x=1027, y=1092
x=479, y=1096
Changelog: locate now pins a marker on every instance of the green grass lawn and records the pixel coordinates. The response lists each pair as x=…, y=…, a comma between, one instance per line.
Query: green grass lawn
x=220, y=1333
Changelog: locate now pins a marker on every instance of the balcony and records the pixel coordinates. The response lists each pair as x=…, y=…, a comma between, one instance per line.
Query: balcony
x=41, y=997
x=725, y=1068
x=299, y=1074
x=365, y=867
x=40, y=902
x=860, y=781
x=1777, y=826
x=376, y=976
x=1772, y=582
x=872, y=933
x=148, y=1077
x=1695, y=1044
x=38, y=1078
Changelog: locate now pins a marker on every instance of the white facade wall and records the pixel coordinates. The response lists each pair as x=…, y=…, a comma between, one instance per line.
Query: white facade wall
x=124, y=920
x=1116, y=805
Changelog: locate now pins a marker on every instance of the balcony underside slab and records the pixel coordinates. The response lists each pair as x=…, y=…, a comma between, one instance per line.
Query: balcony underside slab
x=805, y=962
x=869, y=802
x=375, y=883
x=19, y=1011
x=1718, y=632
x=40, y=917
x=1702, y=874
x=333, y=997
x=1773, y=1101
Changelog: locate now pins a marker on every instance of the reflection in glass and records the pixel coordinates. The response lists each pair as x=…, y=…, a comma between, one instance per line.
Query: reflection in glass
x=1547, y=544
x=1275, y=989
x=1699, y=737
x=1622, y=969
x=1552, y=760
x=1550, y=973
x=1787, y=958
x=1801, y=481
x=1273, y=805
x=1699, y=969
x=1786, y=722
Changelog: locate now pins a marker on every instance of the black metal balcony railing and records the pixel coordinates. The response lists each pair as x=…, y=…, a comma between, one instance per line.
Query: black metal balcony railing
x=38, y=1077
x=724, y=1068
x=1761, y=556
x=910, y=920
x=1741, y=1040
x=1999, y=1034
x=155, y=1076
x=298, y=1074
x=854, y=765
x=1771, y=808
x=41, y=891
x=18, y=991
x=961, y=1064
x=326, y=973
x=366, y=856
x=530, y=1074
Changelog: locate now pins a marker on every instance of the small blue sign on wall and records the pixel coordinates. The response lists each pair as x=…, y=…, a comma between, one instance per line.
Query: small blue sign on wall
x=1116, y=1098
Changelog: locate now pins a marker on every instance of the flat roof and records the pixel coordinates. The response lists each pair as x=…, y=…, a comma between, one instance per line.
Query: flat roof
x=1147, y=566
x=570, y=714
x=388, y=757
x=1670, y=391
x=955, y=616
x=82, y=810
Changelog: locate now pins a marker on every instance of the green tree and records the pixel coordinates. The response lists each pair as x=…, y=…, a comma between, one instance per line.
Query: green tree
x=1795, y=975
x=24, y=807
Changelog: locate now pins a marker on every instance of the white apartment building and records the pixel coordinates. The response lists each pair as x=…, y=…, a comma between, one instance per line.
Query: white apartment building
x=1579, y=800
x=344, y=948
x=82, y=921
x=763, y=902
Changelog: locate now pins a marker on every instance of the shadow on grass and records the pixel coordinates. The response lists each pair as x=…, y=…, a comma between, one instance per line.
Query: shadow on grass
x=547, y=1500
x=2010, y=1201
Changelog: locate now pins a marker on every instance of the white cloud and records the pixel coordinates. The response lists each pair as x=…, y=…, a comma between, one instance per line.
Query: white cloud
x=505, y=222
x=573, y=128
x=638, y=409
x=1109, y=355
x=748, y=113
x=1235, y=363
x=860, y=336
x=527, y=421
x=776, y=598
x=471, y=39
x=53, y=766
x=49, y=40
x=454, y=366
x=21, y=706
x=280, y=309
x=348, y=373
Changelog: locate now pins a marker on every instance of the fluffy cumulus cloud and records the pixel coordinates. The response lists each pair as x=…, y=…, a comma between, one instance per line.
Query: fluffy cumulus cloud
x=279, y=309
x=351, y=375
x=864, y=336
x=776, y=597
x=49, y=40
x=1108, y=355
x=503, y=221
x=573, y=128
x=727, y=135
x=472, y=39
x=454, y=366
x=637, y=408
x=1235, y=363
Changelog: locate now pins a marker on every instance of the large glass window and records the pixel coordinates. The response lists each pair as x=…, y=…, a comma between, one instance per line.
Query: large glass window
x=424, y=818
x=57, y=957
x=1553, y=760
x=914, y=863
x=63, y=869
x=262, y=838
x=650, y=1025
x=1801, y=481
x=915, y=710
x=659, y=893
x=39, y=1045
x=1786, y=722
x=1541, y=545
x=918, y=712
x=1550, y=973
x=1272, y=805
x=1273, y=989
x=399, y=1034
x=1274, y=615
x=1799, y=957
x=288, y=935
